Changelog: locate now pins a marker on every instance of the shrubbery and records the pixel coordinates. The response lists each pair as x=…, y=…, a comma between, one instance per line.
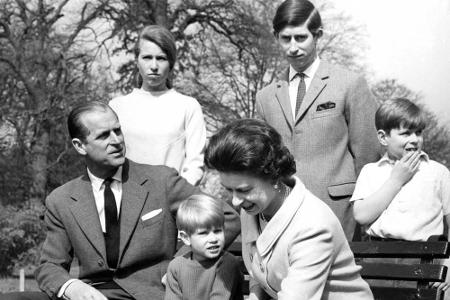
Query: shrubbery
x=21, y=233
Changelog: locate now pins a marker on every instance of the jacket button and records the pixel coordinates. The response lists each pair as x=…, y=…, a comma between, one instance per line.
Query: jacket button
x=100, y=263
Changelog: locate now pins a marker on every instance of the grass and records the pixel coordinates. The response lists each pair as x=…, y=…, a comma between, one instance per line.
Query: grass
x=11, y=284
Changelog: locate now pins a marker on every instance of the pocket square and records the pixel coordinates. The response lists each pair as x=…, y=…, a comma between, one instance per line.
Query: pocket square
x=151, y=214
x=325, y=106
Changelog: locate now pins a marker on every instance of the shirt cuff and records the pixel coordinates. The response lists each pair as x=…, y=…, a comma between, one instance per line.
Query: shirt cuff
x=64, y=287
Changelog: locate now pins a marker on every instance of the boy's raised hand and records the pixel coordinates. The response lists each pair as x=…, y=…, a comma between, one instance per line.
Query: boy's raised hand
x=406, y=167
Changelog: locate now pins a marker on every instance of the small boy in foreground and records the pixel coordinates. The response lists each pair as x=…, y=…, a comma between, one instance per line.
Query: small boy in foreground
x=405, y=195
x=207, y=271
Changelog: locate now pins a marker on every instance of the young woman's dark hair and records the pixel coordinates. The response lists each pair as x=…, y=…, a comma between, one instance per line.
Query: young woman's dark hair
x=252, y=147
x=297, y=13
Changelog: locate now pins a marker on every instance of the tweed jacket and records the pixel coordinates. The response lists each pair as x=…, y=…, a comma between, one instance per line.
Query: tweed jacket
x=146, y=245
x=332, y=137
x=302, y=253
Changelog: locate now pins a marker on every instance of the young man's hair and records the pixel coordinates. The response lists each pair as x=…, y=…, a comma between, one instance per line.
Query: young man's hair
x=397, y=113
x=297, y=13
x=199, y=211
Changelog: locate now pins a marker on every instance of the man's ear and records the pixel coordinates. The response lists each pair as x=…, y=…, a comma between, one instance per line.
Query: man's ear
x=185, y=238
x=382, y=137
x=79, y=146
x=318, y=33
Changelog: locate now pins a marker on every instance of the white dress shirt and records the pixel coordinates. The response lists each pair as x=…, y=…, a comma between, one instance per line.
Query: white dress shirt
x=98, y=188
x=295, y=80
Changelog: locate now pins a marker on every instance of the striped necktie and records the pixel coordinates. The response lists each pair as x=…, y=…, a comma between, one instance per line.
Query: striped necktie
x=300, y=92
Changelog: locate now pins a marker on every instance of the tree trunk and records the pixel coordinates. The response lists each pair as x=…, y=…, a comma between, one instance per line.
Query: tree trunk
x=38, y=168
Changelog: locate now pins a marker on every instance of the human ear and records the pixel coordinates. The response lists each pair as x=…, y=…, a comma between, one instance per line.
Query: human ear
x=79, y=146
x=185, y=238
x=382, y=137
x=318, y=33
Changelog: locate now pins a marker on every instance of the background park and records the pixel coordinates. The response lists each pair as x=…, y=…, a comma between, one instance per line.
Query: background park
x=57, y=53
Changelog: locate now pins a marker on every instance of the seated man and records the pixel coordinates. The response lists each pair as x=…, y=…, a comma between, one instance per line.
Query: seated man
x=118, y=219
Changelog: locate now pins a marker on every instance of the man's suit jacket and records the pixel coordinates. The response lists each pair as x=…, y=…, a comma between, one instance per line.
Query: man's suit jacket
x=146, y=246
x=332, y=137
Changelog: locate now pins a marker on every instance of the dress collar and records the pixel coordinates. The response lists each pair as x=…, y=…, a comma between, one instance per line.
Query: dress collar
x=97, y=182
x=282, y=218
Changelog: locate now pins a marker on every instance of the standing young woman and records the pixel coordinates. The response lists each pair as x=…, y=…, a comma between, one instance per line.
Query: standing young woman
x=160, y=125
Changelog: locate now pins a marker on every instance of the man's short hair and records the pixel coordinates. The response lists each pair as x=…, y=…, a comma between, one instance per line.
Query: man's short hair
x=200, y=211
x=75, y=126
x=397, y=113
x=297, y=13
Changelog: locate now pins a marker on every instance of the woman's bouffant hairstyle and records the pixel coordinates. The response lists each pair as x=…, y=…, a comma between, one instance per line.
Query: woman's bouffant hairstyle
x=252, y=147
x=397, y=113
x=200, y=211
x=297, y=13
x=162, y=37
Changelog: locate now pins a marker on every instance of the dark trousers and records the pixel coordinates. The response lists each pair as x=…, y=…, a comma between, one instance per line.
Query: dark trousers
x=112, y=292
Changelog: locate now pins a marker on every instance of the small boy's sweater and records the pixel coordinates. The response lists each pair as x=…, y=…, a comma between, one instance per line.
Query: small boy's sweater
x=216, y=279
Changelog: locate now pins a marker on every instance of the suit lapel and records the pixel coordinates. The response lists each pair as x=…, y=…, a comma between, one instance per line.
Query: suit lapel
x=317, y=85
x=281, y=220
x=134, y=196
x=85, y=212
x=282, y=94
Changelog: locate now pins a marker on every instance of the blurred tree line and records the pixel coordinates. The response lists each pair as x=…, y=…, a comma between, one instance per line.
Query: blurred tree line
x=55, y=54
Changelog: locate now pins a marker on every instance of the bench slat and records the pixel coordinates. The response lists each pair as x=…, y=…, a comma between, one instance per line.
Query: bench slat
x=392, y=249
x=390, y=293
x=411, y=272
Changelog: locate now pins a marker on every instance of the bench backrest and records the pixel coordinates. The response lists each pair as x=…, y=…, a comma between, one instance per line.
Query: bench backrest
x=423, y=272
x=374, y=258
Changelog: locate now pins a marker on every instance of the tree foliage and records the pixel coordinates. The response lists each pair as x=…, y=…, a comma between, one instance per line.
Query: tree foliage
x=46, y=67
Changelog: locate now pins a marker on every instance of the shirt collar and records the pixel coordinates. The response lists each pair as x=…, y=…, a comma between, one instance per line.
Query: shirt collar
x=386, y=159
x=309, y=72
x=97, y=182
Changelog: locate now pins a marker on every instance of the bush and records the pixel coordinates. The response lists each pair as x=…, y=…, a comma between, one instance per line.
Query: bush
x=21, y=233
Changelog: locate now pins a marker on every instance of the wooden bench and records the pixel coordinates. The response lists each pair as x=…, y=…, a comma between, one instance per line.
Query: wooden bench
x=378, y=269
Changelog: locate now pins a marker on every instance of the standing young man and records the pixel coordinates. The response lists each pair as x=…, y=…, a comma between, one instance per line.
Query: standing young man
x=324, y=112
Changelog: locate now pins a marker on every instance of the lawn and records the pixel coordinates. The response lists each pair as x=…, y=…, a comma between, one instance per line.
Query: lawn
x=11, y=284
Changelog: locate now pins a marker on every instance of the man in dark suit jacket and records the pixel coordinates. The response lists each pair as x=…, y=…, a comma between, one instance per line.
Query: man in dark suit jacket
x=77, y=220
x=324, y=112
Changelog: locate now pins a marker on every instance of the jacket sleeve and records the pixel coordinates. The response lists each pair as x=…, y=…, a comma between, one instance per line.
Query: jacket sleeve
x=56, y=255
x=360, y=116
x=259, y=111
x=195, y=131
x=310, y=258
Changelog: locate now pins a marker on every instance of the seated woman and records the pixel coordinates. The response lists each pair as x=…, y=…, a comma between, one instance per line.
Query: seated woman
x=293, y=245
